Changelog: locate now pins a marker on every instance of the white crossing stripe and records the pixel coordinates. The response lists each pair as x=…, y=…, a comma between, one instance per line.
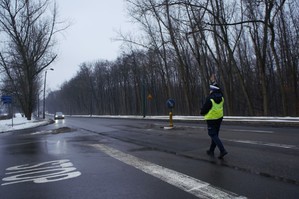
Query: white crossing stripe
x=285, y=146
x=251, y=131
x=186, y=183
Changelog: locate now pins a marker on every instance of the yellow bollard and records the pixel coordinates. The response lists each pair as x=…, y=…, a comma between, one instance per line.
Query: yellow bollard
x=170, y=119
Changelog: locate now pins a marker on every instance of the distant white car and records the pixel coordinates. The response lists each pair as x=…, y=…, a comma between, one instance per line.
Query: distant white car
x=18, y=115
x=58, y=115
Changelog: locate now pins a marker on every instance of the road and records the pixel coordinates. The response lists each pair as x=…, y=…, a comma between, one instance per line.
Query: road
x=123, y=158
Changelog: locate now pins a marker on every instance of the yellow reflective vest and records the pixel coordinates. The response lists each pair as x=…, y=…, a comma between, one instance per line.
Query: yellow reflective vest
x=216, y=112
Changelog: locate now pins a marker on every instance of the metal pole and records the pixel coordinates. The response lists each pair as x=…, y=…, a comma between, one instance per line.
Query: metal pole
x=38, y=105
x=143, y=100
x=44, y=100
x=12, y=113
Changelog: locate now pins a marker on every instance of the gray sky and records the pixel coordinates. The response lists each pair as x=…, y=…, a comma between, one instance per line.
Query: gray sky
x=94, y=25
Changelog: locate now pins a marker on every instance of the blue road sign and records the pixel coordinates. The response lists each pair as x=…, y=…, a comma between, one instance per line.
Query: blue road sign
x=170, y=103
x=6, y=99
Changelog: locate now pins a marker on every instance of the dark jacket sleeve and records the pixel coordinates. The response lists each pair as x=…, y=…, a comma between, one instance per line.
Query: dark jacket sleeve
x=206, y=107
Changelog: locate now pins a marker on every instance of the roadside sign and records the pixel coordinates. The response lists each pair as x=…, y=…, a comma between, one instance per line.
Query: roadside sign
x=149, y=97
x=170, y=103
x=6, y=99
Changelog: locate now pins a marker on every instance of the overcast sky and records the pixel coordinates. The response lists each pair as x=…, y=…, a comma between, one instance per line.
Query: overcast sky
x=89, y=38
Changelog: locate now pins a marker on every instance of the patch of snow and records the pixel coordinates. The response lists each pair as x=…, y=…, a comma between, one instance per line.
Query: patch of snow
x=20, y=123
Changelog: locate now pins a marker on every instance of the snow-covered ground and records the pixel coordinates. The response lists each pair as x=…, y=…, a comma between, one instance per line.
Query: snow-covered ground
x=23, y=123
x=199, y=118
x=20, y=123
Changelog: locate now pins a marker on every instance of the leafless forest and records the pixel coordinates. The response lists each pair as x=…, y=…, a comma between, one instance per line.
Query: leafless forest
x=251, y=46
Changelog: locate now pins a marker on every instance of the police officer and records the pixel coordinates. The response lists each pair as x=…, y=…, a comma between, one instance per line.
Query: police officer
x=212, y=111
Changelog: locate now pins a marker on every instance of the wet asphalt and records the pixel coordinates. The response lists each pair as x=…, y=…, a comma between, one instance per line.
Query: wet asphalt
x=65, y=160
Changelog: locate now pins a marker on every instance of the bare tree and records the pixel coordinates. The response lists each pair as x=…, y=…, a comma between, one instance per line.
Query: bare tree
x=27, y=28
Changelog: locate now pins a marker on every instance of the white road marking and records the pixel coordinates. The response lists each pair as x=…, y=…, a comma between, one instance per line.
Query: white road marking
x=44, y=172
x=285, y=146
x=251, y=131
x=186, y=183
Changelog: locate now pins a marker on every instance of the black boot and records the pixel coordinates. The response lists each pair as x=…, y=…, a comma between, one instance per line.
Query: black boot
x=210, y=153
x=222, y=154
